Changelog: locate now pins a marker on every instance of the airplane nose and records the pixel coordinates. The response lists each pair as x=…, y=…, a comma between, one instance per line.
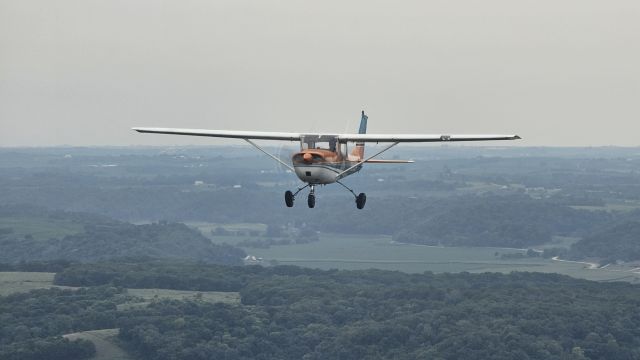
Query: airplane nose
x=307, y=157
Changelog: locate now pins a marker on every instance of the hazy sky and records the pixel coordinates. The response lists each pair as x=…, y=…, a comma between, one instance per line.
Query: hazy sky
x=83, y=72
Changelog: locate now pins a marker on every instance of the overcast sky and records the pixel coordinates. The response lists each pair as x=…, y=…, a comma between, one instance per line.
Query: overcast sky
x=83, y=72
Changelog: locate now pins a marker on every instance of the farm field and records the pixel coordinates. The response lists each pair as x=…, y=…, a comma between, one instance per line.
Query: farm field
x=209, y=296
x=40, y=228
x=336, y=251
x=14, y=282
x=106, y=344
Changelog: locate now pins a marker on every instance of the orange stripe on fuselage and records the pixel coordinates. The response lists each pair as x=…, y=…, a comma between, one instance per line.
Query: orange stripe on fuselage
x=321, y=157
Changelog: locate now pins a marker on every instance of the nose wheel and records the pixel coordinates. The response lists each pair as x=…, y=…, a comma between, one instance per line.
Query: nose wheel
x=290, y=197
x=311, y=200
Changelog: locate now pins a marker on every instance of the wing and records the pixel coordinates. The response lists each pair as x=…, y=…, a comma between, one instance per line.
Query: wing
x=421, y=137
x=268, y=135
x=257, y=135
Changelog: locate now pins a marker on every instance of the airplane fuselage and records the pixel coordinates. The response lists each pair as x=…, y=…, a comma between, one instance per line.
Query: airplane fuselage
x=322, y=166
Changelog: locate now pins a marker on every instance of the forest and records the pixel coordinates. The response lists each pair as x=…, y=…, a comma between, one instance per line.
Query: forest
x=293, y=313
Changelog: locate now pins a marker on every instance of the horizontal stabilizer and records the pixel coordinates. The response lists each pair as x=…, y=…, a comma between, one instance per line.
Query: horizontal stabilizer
x=375, y=161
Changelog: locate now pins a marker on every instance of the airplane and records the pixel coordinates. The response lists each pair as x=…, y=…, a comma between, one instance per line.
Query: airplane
x=325, y=158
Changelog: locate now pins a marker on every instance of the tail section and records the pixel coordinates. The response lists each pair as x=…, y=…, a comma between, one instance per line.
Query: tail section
x=358, y=151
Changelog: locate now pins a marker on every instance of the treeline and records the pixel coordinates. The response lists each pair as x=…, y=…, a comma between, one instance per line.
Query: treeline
x=37, y=266
x=149, y=274
x=294, y=313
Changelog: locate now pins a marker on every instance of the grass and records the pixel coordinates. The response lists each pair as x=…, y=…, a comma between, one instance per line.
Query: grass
x=149, y=295
x=335, y=251
x=41, y=228
x=612, y=205
x=206, y=228
x=106, y=344
x=209, y=296
x=15, y=282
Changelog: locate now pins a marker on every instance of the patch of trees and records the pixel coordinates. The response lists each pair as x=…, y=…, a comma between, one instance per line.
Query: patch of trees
x=31, y=324
x=55, y=348
x=618, y=242
x=176, y=275
x=107, y=239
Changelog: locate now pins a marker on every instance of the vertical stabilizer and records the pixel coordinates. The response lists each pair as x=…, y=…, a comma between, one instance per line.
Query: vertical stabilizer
x=358, y=151
x=363, y=124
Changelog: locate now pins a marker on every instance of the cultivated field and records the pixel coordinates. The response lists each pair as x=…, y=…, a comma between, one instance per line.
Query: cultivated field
x=40, y=228
x=336, y=251
x=105, y=342
x=149, y=295
x=14, y=282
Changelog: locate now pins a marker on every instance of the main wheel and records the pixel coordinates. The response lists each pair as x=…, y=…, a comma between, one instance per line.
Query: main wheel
x=288, y=198
x=311, y=201
x=361, y=199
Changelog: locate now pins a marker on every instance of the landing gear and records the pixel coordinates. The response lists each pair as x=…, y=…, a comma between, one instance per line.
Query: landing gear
x=311, y=200
x=288, y=198
x=361, y=199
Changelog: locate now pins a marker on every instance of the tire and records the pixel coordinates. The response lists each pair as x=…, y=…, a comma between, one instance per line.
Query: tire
x=361, y=199
x=311, y=201
x=288, y=198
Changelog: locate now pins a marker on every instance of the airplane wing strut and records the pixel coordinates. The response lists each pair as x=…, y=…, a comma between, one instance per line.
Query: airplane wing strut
x=270, y=155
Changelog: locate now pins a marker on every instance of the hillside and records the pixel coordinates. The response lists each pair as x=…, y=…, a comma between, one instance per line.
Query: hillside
x=94, y=238
x=618, y=242
x=509, y=221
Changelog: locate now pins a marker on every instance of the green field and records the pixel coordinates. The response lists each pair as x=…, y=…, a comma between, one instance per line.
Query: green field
x=149, y=295
x=335, y=251
x=13, y=282
x=106, y=344
x=206, y=228
x=40, y=228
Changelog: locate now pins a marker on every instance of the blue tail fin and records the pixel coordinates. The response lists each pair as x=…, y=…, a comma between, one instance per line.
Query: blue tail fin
x=363, y=124
x=358, y=151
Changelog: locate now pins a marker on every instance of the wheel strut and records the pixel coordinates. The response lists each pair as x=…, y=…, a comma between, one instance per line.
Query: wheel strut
x=361, y=198
x=289, y=197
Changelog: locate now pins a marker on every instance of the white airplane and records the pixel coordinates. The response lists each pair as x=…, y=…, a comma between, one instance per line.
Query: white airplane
x=321, y=165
